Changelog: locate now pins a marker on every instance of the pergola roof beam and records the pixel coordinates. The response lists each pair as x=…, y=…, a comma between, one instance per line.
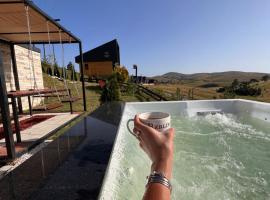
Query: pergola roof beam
x=12, y=33
x=13, y=24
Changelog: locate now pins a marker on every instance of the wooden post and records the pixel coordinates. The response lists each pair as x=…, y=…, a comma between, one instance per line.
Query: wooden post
x=6, y=114
x=30, y=105
x=15, y=74
x=136, y=73
x=16, y=119
x=82, y=76
x=70, y=101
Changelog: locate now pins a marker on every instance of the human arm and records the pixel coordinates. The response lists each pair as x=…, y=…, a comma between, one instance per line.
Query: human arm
x=159, y=147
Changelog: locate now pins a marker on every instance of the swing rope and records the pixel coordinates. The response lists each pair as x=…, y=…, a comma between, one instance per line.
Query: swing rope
x=29, y=60
x=73, y=74
x=30, y=53
x=63, y=64
x=53, y=63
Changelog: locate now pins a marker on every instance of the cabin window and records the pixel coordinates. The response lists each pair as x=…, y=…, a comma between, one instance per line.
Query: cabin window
x=86, y=66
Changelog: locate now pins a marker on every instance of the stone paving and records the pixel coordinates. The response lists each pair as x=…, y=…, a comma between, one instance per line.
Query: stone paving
x=42, y=129
x=32, y=134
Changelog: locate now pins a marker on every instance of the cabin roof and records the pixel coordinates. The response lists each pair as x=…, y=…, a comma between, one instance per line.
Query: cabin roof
x=105, y=52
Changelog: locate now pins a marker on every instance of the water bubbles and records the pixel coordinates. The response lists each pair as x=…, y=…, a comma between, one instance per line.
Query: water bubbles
x=216, y=157
x=129, y=171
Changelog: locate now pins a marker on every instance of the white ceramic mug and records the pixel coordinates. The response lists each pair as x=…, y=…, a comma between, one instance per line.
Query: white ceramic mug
x=158, y=120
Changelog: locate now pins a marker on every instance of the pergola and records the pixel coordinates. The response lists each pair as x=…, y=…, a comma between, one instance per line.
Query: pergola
x=14, y=30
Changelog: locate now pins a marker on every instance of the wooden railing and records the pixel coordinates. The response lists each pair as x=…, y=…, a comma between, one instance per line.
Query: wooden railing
x=146, y=91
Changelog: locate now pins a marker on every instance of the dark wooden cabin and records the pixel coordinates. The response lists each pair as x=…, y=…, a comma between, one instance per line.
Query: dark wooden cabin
x=100, y=61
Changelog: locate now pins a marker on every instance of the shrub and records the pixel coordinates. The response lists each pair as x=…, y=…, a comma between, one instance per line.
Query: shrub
x=130, y=89
x=229, y=94
x=121, y=74
x=240, y=88
x=245, y=89
x=220, y=90
x=253, y=80
x=265, y=78
x=111, y=91
x=209, y=85
x=235, y=84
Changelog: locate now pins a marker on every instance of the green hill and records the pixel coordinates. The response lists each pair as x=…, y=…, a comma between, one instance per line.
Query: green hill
x=220, y=78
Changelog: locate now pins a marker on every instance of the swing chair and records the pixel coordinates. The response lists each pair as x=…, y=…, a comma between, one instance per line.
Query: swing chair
x=68, y=98
x=43, y=106
x=56, y=92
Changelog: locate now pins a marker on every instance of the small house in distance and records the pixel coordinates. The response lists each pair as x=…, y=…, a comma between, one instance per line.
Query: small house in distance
x=100, y=61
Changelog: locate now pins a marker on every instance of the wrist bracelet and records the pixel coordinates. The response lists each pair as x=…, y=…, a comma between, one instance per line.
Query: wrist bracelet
x=157, y=177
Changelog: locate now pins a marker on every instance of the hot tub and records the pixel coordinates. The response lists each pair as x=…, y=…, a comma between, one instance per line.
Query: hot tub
x=222, y=151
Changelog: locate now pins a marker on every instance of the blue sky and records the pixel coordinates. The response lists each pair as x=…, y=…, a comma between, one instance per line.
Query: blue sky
x=160, y=36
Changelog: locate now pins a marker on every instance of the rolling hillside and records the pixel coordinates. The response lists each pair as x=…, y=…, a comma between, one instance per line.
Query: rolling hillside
x=198, y=83
x=221, y=78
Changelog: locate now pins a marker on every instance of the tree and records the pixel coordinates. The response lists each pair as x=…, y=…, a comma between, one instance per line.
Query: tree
x=56, y=70
x=265, y=78
x=75, y=77
x=72, y=73
x=49, y=71
x=235, y=83
x=64, y=73
x=253, y=80
x=70, y=66
x=45, y=64
x=121, y=73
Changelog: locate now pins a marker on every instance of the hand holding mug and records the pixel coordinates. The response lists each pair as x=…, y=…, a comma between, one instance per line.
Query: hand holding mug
x=157, y=120
x=159, y=147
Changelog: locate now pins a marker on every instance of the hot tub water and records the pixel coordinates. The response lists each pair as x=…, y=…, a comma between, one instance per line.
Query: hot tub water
x=221, y=157
x=216, y=156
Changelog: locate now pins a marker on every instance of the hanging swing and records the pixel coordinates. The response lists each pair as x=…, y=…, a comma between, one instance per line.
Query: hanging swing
x=43, y=106
x=73, y=77
x=31, y=59
x=57, y=92
x=68, y=97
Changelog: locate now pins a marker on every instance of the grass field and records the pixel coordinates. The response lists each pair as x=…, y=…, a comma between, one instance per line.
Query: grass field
x=92, y=95
x=207, y=93
x=169, y=90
